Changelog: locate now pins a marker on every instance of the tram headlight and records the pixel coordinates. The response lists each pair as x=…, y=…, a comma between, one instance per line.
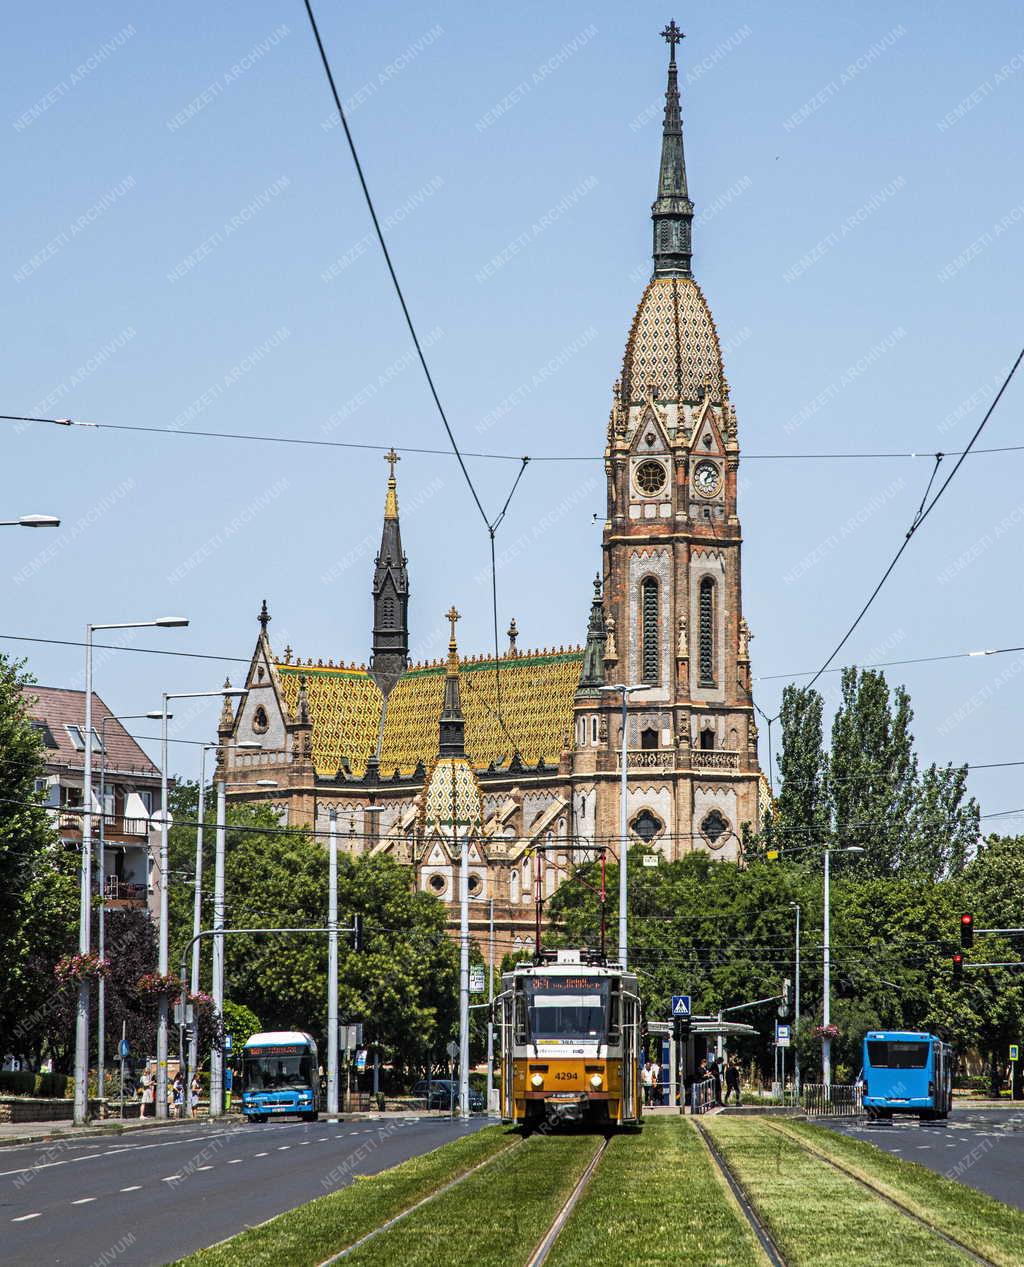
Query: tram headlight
x=597, y=1082
x=537, y=1081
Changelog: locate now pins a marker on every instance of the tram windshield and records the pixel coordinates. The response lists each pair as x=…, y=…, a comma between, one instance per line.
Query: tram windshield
x=894, y=1055
x=567, y=1008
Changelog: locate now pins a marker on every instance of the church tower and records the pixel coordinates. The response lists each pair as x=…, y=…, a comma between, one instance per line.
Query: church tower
x=390, y=595
x=671, y=543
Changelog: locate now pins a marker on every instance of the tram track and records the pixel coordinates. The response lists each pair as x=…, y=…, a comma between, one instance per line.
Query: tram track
x=764, y=1237
x=547, y=1243
x=850, y=1173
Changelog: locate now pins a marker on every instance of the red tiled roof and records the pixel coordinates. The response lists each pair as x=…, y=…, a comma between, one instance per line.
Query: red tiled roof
x=59, y=708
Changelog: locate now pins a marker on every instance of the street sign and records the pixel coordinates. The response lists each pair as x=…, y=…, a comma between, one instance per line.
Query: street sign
x=476, y=979
x=453, y=1050
x=1015, y=1051
x=783, y=1035
x=124, y=1049
x=680, y=1005
x=183, y=1014
x=650, y=859
x=361, y=1058
x=227, y=1044
x=350, y=1036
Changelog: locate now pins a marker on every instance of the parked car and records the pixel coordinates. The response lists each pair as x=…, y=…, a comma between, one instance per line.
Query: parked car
x=439, y=1093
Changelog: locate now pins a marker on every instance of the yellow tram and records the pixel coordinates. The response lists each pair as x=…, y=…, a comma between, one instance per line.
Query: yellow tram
x=571, y=1030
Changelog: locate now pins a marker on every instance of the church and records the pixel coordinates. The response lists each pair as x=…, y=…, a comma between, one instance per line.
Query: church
x=520, y=756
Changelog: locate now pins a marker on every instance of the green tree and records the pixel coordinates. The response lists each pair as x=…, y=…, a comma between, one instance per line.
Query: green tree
x=801, y=816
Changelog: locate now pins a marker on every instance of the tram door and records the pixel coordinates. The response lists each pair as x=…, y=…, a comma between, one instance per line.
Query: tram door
x=630, y=1055
x=505, y=1003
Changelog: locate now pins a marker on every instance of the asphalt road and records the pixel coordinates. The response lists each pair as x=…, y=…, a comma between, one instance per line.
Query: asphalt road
x=981, y=1148
x=150, y=1197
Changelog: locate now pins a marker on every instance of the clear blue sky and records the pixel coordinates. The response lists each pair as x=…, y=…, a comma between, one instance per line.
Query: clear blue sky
x=174, y=199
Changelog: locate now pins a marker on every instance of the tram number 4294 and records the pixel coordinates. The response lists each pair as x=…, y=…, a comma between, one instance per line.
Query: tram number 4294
x=564, y=1077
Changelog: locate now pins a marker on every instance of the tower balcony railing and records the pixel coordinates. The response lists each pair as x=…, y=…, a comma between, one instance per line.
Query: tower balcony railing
x=651, y=759
x=241, y=760
x=714, y=759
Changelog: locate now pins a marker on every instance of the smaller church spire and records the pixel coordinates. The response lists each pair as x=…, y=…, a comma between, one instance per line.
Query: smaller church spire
x=390, y=656
x=593, y=675
x=391, y=498
x=672, y=211
x=453, y=726
x=264, y=618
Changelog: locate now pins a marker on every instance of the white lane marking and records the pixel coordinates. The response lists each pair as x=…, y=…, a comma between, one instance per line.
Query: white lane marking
x=283, y=1148
x=204, y=1167
x=22, y=1217
x=320, y=1139
x=305, y=1142
x=134, y=1148
x=260, y=1154
x=235, y=1161
x=171, y=1178
x=132, y=1188
x=83, y=1200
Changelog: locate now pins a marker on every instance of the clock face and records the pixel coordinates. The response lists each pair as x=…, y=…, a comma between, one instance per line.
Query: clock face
x=707, y=479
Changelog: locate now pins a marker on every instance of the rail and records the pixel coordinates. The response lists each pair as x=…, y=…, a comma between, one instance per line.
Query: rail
x=832, y=1099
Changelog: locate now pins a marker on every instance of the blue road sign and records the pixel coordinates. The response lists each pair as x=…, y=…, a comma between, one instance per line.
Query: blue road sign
x=123, y=1049
x=783, y=1034
x=680, y=1005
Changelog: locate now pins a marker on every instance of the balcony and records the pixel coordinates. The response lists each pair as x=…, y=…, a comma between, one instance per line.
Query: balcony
x=113, y=824
x=124, y=892
x=651, y=759
x=714, y=759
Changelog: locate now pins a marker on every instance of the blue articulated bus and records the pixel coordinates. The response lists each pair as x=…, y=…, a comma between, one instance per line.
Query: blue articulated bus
x=907, y=1072
x=280, y=1075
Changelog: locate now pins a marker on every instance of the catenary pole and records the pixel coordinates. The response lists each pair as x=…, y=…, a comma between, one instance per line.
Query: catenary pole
x=332, y=968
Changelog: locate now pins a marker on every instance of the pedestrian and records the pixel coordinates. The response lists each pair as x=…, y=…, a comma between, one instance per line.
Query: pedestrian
x=195, y=1091
x=716, y=1073
x=646, y=1082
x=655, y=1082
x=732, y=1079
x=146, y=1092
x=178, y=1095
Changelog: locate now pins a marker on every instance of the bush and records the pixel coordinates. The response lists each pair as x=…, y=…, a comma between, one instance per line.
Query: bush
x=47, y=1085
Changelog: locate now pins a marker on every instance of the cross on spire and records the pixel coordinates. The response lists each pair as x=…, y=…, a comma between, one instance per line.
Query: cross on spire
x=452, y=615
x=392, y=457
x=672, y=35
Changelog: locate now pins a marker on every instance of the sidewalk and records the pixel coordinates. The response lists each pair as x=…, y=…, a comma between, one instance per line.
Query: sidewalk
x=43, y=1132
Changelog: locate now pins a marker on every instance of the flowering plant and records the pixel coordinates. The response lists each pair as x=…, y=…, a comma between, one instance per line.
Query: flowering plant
x=827, y=1031
x=154, y=984
x=80, y=967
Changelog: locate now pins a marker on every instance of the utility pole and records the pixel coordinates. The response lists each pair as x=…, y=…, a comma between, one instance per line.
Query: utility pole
x=490, y=1000
x=197, y=901
x=796, y=1006
x=463, y=964
x=332, y=967
x=623, y=816
x=217, y=1054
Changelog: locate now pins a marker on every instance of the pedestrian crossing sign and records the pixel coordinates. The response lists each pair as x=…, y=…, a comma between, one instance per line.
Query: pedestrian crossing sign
x=680, y=1005
x=1014, y=1051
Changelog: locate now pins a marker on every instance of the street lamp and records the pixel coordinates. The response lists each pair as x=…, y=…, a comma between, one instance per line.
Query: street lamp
x=81, y=1109
x=796, y=1005
x=101, y=884
x=161, y=1028
x=826, y=1017
x=623, y=813
x=31, y=521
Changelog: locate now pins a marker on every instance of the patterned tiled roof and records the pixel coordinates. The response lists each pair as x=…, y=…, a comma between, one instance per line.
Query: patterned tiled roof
x=345, y=705
x=673, y=345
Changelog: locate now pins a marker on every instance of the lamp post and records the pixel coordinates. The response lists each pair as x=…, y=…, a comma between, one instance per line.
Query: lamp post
x=81, y=1109
x=332, y=965
x=623, y=815
x=826, y=1011
x=161, y=1026
x=32, y=521
x=796, y=1005
x=101, y=882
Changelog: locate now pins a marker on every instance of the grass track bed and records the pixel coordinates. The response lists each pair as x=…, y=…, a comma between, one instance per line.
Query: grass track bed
x=495, y=1218
x=311, y=1233
x=656, y=1200
x=817, y=1216
x=986, y=1225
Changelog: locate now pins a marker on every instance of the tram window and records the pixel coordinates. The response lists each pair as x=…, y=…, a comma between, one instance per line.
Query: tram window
x=898, y=1055
x=520, y=1019
x=614, y=1015
x=568, y=1007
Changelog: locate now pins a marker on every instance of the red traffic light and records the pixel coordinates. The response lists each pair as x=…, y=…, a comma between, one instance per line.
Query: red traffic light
x=958, y=969
x=966, y=931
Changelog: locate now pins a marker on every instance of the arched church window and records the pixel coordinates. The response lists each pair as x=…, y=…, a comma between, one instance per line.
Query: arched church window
x=650, y=649
x=648, y=737
x=593, y=730
x=646, y=825
x=438, y=883
x=260, y=724
x=475, y=885
x=714, y=828
x=707, y=632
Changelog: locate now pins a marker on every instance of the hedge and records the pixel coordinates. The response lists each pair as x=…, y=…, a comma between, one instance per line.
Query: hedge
x=46, y=1085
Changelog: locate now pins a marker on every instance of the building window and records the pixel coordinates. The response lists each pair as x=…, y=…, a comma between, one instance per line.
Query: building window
x=714, y=828
x=650, y=642
x=707, y=632
x=593, y=730
x=646, y=825
x=77, y=736
x=650, y=478
x=707, y=740
x=260, y=724
x=475, y=885
x=438, y=883
x=648, y=737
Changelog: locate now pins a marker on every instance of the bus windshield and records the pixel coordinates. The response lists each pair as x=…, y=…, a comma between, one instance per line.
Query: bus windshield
x=272, y=1068
x=567, y=1008
x=893, y=1055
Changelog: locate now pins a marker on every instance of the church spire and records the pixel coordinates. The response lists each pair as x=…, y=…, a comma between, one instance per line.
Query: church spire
x=672, y=211
x=593, y=675
x=390, y=594
x=453, y=727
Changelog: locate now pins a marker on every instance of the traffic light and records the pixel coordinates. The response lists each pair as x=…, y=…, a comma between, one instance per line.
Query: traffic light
x=966, y=931
x=357, y=932
x=680, y=1028
x=958, y=969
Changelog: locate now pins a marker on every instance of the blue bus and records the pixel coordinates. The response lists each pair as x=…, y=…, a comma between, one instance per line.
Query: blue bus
x=280, y=1075
x=907, y=1072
